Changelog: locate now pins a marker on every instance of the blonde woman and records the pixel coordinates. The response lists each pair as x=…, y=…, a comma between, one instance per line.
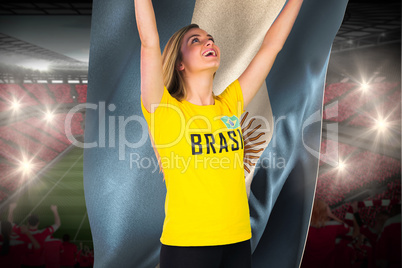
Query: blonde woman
x=198, y=139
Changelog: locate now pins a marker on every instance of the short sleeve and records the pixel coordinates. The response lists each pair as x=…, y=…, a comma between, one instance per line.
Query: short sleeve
x=54, y=228
x=233, y=95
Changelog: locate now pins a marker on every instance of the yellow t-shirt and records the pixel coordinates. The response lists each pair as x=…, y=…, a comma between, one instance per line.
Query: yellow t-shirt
x=201, y=152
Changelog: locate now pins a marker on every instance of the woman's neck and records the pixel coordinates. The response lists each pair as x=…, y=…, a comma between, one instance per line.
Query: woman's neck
x=199, y=89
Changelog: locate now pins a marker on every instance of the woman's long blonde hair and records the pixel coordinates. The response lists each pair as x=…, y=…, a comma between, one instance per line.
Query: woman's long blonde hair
x=319, y=215
x=171, y=57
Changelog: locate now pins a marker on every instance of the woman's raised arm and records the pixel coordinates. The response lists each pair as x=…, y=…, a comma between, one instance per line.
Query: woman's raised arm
x=252, y=78
x=151, y=58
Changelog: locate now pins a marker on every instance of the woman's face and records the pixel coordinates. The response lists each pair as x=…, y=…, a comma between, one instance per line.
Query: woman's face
x=199, y=52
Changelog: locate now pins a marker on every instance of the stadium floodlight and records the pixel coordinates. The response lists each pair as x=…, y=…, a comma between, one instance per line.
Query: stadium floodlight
x=39, y=65
x=26, y=166
x=73, y=81
x=57, y=81
x=49, y=116
x=42, y=81
x=364, y=87
x=341, y=165
x=381, y=124
x=15, y=105
x=85, y=81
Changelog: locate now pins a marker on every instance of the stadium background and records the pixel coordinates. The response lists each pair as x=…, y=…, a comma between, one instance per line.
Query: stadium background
x=43, y=75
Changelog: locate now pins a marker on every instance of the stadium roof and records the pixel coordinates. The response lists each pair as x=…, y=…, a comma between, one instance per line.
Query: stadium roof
x=369, y=24
x=46, y=8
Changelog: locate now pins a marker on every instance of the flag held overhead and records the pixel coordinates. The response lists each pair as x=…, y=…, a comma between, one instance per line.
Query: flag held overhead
x=126, y=203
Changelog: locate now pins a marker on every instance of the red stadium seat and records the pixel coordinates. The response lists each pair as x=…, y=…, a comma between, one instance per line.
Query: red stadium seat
x=62, y=92
x=82, y=93
x=335, y=90
x=41, y=93
x=13, y=92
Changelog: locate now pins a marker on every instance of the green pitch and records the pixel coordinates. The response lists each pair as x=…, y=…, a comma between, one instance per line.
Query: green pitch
x=61, y=185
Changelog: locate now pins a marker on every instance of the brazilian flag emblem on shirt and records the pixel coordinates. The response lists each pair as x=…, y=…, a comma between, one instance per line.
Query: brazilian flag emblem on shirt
x=231, y=122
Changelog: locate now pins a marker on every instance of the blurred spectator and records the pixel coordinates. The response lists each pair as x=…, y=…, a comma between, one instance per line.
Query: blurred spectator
x=370, y=234
x=346, y=253
x=35, y=257
x=52, y=251
x=11, y=249
x=91, y=256
x=388, y=250
x=364, y=253
x=84, y=257
x=354, y=254
x=320, y=245
x=68, y=256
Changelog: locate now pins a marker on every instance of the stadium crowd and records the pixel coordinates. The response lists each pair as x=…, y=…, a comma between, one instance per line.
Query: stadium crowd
x=28, y=246
x=346, y=241
x=351, y=242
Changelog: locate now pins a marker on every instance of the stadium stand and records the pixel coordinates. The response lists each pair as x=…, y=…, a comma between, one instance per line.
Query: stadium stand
x=82, y=93
x=34, y=138
x=361, y=170
x=335, y=90
x=30, y=145
x=354, y=100
x=76, y=126
x=331, y=149
x=346, y=107
x=13, y=92
x=49, y=128
x=380, y=202
x=3, y=195
x=41, y=136
x=62, y=92
x=4, y=106
x=9, y=152
x=368, y=166
x=389, y=110
x=382, y=88
x=40, y=92
x=392, y=193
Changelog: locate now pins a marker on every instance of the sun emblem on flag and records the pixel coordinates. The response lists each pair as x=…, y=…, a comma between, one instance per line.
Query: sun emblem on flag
x=251, y=140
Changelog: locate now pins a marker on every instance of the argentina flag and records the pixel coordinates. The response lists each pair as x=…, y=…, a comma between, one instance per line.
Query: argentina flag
x=124, y=189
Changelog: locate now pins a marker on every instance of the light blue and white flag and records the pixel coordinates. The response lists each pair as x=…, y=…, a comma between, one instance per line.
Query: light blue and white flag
x=123, y=187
